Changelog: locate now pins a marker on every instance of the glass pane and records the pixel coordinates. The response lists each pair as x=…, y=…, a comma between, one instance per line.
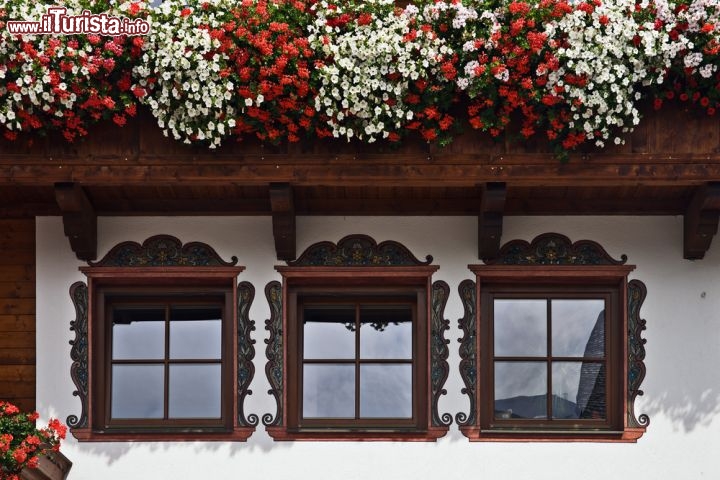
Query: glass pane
x=386, y=391
x=196, y=333
x=578, y=390
x=329, y=391
x=137, y=391
x=329, y=332
x=578, y=328
x=194, y=391
x=386, y=332
x=520, y=390
x=520, y=328
x=138, y=333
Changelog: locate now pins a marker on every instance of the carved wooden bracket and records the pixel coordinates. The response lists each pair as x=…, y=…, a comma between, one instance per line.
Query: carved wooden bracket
x=283, y=219
x=490, y=219
x=79, y=219
x=701, y=221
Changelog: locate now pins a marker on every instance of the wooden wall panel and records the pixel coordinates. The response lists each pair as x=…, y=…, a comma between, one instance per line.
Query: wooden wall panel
x=17, y=312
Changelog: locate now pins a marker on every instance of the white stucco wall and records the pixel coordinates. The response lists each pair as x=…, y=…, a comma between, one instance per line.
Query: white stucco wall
x=682, y=386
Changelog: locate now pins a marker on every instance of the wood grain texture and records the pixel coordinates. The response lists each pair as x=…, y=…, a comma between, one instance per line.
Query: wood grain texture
x=17, y=312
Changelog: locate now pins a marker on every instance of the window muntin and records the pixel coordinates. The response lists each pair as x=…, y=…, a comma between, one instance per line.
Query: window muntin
x=550, y=357
x=357, y=362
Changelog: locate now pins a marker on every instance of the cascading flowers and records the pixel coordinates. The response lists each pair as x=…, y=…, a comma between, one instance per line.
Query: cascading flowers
x=62, y=82
x=574, y=72
x=376, y=65
x=609, y=51
x=695, y=73
x=215, y=68
x=21, y=442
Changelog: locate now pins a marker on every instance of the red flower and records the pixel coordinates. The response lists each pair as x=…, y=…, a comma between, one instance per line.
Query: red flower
x=19, y=455
x=185, y=12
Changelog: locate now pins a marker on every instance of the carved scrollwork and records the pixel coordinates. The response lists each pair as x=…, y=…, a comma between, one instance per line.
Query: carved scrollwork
x=274, y=351
x=468, y=353
x=554, y=249
x=439, y=367
x=358, y=250
x=636, y=351
x=246, y=351
x=79, y=353
x=162, y=251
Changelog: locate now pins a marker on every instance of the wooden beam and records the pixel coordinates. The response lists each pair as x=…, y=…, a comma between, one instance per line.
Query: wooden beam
x=490, y=219
x=701, y=221
x=283, y=219
x=79, y=219
x=389, y=170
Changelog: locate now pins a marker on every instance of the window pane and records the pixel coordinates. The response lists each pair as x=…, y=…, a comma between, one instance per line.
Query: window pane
x=194, y=391
x=138, y=333
x=386, y=391
x=329, y=332
x=329, y=391
x=578, y=390
x=137, y=391
x=196, y=333
x=520, y=328
x=385, y=332
x=578, y=328
x=520, y=390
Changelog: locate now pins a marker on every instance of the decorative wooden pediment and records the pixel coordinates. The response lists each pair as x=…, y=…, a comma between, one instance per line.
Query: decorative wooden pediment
x=358, y=250
x=162, y=251
x=554, y=249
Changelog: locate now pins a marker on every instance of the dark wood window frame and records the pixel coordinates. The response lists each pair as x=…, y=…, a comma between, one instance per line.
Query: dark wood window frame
x=609, y=279
x=161, y=268
x=312, y=281
x=144, y=284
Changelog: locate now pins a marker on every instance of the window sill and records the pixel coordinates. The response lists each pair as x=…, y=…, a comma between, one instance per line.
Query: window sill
x=476, y=434
x=359, y=435
x=239, y=434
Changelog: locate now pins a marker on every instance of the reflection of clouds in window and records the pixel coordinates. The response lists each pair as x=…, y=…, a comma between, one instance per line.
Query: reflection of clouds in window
x=573, y=324
x=194, y=391
x=393, y=339
x=137, y=391
x=520, y=327
x=386, y=391
x=329, y=391
x=325, y=334
x=138, y=334
x=198, y=336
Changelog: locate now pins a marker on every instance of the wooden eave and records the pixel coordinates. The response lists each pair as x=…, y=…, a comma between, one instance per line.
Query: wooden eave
x=672, y=156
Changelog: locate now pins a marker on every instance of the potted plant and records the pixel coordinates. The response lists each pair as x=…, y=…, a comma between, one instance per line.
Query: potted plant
x=23, y=444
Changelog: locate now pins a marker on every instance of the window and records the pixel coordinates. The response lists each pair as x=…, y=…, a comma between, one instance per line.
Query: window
x=167, y=349
x=169, y=359
x=548, y=354
x=357, y=346
x=357, y=361
x=553, y=349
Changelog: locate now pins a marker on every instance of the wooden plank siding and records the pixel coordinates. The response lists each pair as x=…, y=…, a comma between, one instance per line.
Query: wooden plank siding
x=17, y=312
